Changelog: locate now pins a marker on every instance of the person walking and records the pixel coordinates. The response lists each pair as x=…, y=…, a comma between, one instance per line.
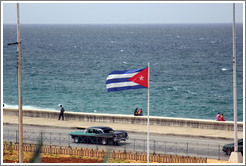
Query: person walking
x=61, y=113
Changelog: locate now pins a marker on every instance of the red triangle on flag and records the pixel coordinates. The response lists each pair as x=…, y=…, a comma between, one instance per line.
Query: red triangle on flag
x=141, y=78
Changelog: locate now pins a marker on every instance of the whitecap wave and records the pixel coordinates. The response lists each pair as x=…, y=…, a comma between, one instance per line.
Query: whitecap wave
x=10, y=106
x=190, y=92
x=175, y=88
x=172, y=88
x=29, y=107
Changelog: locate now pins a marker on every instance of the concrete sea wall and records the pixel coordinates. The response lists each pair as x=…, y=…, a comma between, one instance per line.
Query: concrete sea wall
x=129, y=119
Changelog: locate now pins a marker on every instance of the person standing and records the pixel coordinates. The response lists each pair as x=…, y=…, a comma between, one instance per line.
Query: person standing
x=61, y=113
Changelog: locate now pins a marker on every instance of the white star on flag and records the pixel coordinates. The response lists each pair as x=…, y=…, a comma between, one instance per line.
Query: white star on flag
x=141, y=78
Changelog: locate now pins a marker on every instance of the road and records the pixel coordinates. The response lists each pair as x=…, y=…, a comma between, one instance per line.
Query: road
x=169, y=144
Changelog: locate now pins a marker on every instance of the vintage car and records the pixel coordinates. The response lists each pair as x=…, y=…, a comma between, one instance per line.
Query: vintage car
x=228, y=148
x=99, y=135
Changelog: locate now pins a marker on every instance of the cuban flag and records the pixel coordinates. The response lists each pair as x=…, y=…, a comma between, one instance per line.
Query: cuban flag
x=127, y=79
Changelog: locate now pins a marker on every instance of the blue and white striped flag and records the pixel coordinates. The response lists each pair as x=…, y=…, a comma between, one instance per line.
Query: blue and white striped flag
x=127, y=79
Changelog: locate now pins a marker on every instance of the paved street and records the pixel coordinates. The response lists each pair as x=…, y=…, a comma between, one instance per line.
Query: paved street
x=163, y=139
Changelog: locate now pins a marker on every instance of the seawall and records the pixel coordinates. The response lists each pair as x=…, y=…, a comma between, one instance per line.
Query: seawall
x=128, y=119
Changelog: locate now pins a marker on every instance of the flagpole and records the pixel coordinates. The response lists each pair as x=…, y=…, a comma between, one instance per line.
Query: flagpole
x=148, y=118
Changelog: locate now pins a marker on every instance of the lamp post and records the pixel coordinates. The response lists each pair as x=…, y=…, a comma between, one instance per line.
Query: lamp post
x=235, y=156
x=19, y=88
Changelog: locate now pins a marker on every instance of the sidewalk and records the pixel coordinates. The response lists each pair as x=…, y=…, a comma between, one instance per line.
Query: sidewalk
x=181, y=131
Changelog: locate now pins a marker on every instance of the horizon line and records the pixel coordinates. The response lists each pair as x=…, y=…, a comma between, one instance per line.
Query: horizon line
x=115, y=23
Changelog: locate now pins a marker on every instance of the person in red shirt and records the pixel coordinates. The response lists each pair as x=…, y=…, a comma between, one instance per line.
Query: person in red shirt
x=222, y=117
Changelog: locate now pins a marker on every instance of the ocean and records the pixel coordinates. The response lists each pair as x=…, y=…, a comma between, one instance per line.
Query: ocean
x=191, y=74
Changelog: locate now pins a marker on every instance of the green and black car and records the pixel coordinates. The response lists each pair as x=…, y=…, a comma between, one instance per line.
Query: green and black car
x=99, y=135
x=228, y=148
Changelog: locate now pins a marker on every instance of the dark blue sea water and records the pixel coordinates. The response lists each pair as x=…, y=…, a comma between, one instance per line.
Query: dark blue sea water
x=190, y=68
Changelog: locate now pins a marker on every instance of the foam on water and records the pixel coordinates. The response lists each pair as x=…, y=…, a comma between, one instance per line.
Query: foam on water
x=29, y=107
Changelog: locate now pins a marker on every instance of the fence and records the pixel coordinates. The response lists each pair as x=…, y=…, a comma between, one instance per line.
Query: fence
x=159, y=158
x=135, y=145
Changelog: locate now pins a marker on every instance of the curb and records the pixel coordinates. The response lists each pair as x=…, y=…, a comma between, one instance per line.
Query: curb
x=170, y=134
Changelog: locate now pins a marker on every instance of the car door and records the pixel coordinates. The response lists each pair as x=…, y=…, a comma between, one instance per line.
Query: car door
x=240, y=145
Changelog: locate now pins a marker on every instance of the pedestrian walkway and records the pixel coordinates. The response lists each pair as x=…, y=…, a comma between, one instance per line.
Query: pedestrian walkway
x=73, y=124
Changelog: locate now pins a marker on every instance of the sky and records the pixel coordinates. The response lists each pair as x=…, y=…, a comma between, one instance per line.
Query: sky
x=121, y=13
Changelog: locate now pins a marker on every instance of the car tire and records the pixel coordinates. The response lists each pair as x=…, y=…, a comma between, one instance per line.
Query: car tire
x=104, y=141
x=76, y=139
x=228, y=152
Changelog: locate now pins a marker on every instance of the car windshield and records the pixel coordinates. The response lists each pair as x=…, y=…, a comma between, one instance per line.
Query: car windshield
x=240, y=142
x=90, y=131
x=108, y=130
